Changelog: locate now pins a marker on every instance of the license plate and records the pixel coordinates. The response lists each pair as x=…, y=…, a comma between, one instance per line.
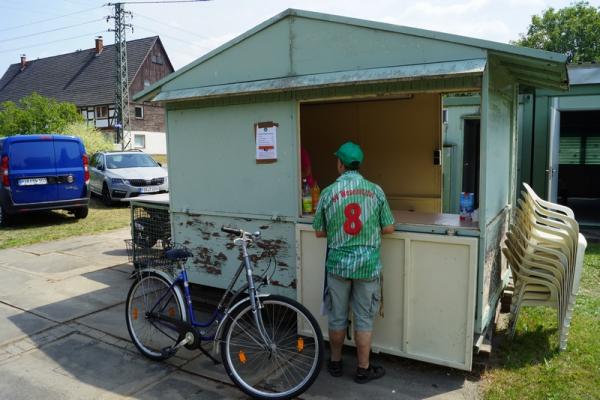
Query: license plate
x=150, y=189
x=33, y=181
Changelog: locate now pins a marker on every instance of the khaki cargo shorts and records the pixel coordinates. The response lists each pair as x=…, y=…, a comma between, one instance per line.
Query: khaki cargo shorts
x=363, y=295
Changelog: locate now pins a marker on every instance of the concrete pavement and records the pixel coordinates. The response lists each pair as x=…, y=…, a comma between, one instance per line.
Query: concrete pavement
x=63, y=336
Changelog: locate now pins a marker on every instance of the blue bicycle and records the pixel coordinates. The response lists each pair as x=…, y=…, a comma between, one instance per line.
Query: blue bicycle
x=271, y=346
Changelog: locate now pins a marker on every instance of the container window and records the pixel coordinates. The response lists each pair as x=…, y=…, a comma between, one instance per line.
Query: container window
x=397, y=135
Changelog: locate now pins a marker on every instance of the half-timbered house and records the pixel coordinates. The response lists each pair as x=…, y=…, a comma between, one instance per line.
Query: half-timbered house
x=87, y=78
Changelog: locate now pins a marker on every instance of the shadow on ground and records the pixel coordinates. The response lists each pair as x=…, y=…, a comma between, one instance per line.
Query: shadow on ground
x=526, y=348
x=80, y=348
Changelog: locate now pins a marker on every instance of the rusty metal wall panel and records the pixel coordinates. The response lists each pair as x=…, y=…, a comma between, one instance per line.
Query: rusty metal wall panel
x=216, y=258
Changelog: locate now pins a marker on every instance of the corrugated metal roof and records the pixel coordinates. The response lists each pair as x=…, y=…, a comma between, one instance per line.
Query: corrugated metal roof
x=366, y=76
x=585, y=74
x=522, y=54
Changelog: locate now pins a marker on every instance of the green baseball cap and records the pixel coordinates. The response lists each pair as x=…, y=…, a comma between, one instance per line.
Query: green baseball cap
x=350, y=154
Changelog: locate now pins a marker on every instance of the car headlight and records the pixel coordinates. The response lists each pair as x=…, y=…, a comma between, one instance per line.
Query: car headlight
x=116, y=181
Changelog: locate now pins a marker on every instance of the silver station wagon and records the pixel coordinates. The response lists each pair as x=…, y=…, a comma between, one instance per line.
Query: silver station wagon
x=120, y=175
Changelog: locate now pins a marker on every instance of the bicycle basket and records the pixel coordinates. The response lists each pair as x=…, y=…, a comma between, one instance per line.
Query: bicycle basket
x=151, y=257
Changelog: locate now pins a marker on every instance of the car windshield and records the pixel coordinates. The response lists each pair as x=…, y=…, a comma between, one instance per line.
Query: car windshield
x=116, y=161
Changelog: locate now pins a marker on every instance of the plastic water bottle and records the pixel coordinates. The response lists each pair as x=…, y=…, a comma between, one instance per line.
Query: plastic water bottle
x=467, y=203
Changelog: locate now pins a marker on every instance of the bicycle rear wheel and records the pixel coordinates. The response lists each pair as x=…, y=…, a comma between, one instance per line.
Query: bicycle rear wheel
x=152, y=293
x=286, y=368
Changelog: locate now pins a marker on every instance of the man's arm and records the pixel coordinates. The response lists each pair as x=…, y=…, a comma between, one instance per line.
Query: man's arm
x=385, y=230
x=386, y=219
x=319, y=224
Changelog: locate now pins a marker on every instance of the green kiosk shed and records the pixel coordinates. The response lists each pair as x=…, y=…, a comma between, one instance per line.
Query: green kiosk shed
x=238, y=117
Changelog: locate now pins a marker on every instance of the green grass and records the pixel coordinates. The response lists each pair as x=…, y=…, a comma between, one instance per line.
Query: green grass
x=32, y=228
x=530, y=367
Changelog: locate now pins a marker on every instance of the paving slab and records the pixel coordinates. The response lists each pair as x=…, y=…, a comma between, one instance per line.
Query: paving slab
x=69, y=257
x=204, y=366
x=50, y=265
x=182, y=386
x=66, y=299
x=16, y=324
x=404, y=380
x=73, y=243
x=77, y=367
x=126, y=268
x=107, y=253
x=112, y=321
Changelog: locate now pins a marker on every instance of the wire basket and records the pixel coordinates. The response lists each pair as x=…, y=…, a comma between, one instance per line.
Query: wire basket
x=151, y=227
x=151, y=257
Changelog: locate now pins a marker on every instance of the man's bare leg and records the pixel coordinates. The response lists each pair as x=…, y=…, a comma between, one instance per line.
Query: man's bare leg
x=336, y=343
x=363, y=347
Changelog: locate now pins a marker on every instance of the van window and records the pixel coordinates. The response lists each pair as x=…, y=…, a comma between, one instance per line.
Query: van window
x=32, y=154
x=68, y=154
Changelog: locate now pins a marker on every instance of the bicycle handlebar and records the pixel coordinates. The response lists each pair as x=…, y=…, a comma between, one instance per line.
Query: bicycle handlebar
x=227, y=229
x=241, y=233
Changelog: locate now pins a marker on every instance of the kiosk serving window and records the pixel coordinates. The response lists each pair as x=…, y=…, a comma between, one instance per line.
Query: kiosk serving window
x=401, y=139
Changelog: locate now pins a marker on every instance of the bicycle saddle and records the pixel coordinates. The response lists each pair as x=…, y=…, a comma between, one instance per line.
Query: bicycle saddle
x=177, y=254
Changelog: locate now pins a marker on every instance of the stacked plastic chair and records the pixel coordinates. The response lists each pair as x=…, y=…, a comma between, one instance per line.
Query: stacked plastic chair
x=544, y=250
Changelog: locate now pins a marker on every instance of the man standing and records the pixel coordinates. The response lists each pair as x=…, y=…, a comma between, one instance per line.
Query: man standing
x=352, y=213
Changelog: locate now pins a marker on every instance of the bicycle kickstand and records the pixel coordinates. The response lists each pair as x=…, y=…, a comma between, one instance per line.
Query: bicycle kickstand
x=207, y=354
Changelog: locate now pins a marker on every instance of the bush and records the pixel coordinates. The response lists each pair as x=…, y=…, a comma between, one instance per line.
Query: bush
x=93, y=139
x=35, y=114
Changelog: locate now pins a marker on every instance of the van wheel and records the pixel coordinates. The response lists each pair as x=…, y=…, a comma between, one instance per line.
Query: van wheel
x=81, y=213
x=4, y=217
x=106, y=199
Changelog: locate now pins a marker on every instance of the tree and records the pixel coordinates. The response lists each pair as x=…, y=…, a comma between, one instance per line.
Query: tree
x=36, y=114
x=572, y=30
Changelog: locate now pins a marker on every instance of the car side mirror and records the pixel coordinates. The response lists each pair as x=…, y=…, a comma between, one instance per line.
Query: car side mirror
x=100, y=167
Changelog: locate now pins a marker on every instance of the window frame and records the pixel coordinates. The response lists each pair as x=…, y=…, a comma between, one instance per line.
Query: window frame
x=135, y=145
x=103, y=114
x=141, y=108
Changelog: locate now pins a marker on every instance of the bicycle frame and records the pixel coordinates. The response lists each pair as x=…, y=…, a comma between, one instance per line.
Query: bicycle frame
x=223, y=308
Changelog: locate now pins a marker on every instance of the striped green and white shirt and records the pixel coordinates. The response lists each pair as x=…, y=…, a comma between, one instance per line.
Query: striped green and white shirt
x=352, y=211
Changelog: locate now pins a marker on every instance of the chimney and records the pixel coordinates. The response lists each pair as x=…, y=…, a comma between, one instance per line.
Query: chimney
x=99, y=45
x=23, y=61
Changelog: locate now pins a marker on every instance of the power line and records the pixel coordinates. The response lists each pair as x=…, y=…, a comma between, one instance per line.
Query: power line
x=164, y=35
x=157, y=2
x=53, y=41
x=50, y=30
x=48, y=19
x=169, y=25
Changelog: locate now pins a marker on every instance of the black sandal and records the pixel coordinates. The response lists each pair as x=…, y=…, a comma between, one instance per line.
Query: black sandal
x=364, y=375
x=335, y=368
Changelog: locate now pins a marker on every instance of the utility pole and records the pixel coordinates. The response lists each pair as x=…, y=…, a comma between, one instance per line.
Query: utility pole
x=122, y=88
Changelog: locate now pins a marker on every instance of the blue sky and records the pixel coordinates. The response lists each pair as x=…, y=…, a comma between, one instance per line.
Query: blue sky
x=188, y=30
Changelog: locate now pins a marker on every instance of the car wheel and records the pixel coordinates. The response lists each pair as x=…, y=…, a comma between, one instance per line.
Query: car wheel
x=106, y=199
x=81, y=213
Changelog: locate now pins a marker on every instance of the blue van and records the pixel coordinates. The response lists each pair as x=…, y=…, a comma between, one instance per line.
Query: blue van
x=43, y=172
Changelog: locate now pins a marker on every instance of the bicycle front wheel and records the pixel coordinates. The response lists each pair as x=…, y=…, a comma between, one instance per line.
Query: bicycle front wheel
x=284, y=368
x=151, y=293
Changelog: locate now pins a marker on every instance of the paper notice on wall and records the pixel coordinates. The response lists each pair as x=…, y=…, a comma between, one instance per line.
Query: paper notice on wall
x=266, y=143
